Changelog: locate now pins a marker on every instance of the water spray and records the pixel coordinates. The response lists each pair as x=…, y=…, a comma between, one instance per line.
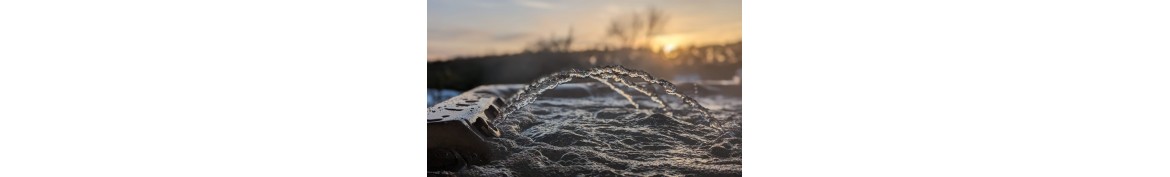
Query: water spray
x=459, y=129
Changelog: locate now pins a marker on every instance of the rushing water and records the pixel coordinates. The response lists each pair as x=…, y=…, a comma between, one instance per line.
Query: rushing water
x=603, y=74
x=609, y=134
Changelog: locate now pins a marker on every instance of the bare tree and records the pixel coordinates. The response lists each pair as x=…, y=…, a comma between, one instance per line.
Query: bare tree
x=636, y=29
x=620, y=32
x=655, y=24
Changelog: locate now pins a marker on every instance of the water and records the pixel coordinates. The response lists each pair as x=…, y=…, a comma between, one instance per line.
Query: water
x=434, y=96
x=602, y=74
x=601, y=135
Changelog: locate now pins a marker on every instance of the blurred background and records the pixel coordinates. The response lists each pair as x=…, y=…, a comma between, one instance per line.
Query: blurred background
x=472, y=43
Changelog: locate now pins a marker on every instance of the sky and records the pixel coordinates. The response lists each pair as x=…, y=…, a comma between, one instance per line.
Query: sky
x=476, y=27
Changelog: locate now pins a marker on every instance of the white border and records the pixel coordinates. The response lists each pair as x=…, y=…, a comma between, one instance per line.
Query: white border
x=956, y=88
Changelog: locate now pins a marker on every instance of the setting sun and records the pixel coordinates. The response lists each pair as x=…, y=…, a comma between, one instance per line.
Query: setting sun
x=668, y=47
x=667, y=43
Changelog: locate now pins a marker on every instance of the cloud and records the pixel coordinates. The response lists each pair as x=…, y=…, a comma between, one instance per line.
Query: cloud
x=509, y=37
x=469, y=34
x=534, y=4
x=453, y=34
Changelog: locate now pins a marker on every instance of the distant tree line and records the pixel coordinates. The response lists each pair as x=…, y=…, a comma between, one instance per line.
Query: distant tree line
x=553, y=43
x=635, y=30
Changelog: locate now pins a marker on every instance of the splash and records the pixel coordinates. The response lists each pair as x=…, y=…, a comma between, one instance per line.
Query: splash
x=599, y=137
x=618, y=90
x=532, y=91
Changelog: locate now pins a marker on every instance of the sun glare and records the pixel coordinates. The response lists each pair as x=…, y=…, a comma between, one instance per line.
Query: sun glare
x=668, y=48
